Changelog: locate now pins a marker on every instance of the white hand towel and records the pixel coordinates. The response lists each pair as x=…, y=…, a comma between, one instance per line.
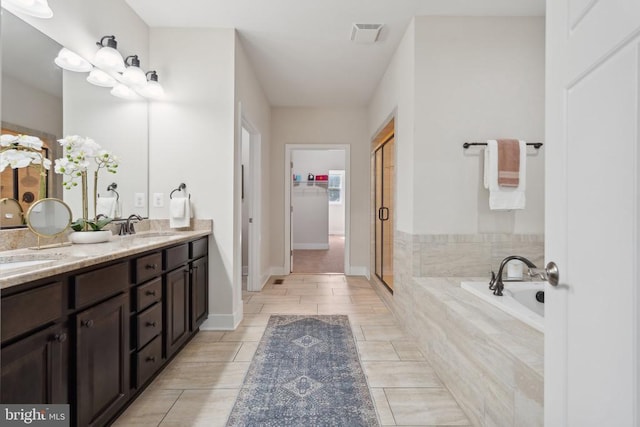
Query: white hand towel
x=177, y=207
x=505, y=198
x=106, y=206
x=179, y=212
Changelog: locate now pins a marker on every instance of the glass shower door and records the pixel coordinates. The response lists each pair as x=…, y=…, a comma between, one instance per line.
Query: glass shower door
x=384, y=185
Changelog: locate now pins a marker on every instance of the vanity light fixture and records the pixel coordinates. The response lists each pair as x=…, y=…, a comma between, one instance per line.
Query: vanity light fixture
x=72, y=61
x=107, y=57
x=153, y=89
x=100, y=78
x=37, y=8
x=125, y=92
x=133, y=75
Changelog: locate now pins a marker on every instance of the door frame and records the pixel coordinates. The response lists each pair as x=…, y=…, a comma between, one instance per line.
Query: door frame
x=254, y=195
x=287, y=199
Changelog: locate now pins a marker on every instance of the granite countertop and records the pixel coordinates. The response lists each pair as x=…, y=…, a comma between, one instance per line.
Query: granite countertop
x=53, y=260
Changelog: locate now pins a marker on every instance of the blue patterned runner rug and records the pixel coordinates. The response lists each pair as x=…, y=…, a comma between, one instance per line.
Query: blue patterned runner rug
x=305, y=372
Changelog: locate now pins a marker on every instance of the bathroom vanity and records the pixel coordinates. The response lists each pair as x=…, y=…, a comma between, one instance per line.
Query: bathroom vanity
x=93, y=330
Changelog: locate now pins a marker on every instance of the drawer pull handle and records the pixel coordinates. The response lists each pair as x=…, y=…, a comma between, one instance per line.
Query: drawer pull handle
x=152, y=293
x=151, y=324
x=60, y=337
x=87, y=323
x=151, y=266
x=151, y=359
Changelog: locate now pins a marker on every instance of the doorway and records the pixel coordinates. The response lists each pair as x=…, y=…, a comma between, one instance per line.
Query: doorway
x=384, y=174
x=250, y=199
x=317, y=208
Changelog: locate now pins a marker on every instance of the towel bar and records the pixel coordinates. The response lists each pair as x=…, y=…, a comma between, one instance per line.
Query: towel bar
x=535, y=145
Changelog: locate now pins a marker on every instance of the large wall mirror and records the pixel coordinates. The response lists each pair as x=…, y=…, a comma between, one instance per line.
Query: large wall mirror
x=40, y=99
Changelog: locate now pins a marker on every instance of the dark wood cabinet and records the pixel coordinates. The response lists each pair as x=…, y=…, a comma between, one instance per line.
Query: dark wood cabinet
x=96, y=336
x=199, y=292
x=102, y=356
x=176, y=309
x=36, y=369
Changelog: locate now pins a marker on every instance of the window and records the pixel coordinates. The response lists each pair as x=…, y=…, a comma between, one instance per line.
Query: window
x=335, y=188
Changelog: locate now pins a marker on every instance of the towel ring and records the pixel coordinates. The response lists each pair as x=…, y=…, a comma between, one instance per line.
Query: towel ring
x=112, y=187
x=181, y=187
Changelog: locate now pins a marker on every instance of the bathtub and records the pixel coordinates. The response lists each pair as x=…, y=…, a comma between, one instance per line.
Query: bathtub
x=518, y=300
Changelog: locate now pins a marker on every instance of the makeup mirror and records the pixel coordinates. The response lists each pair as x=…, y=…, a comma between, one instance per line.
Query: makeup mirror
x=48, y=218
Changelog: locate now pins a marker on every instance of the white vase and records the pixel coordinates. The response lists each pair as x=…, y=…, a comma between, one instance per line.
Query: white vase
x=90, y=236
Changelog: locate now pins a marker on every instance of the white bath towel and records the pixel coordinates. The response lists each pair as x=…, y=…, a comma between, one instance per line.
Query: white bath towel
x=107, y=206
x=504, y=198
x=179, y=212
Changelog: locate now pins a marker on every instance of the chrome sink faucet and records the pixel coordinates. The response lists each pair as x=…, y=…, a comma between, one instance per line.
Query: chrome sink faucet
x=127, y=227
x=496, y=284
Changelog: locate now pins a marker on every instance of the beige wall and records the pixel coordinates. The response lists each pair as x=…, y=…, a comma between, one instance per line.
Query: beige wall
x=396, y=95
x=191, y=137
x=255, y=109
x=31, y=107
x=322, y=126
x=457, y=79
x=476, y=79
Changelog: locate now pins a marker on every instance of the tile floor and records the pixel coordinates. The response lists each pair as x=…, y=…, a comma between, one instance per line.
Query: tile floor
x=200, y=385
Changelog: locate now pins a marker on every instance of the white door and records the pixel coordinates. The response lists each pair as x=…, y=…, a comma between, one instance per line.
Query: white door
x=592, y=119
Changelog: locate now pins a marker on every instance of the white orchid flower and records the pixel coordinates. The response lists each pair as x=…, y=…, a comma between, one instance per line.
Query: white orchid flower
x=17, y=159
x=7, y=140
x=29, y=141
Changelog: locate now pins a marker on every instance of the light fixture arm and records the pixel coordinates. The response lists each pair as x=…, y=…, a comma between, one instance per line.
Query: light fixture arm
x=135, y=62
x=152, y=76
x=111, y=42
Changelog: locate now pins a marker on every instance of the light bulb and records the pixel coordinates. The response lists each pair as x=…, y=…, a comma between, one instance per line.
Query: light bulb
x=72, y=61
x=37, y=8
x=107, y=57
x=100, y=78
x=124, y=92
x=133, y=75
x=152, y=90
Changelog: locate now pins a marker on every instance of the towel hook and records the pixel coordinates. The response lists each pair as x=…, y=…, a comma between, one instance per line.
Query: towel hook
x=181, y=187
x=112, y=187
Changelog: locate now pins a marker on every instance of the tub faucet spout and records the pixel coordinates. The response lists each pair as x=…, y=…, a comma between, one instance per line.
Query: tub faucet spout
x=496, y=284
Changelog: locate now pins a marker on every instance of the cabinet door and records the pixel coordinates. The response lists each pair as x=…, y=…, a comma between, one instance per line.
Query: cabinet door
x=199, y=292
x=176, y=309
x=102, y=354
x=35, y=369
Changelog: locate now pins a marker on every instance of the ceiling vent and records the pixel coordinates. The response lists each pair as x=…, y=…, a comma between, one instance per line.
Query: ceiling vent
x=365, y=33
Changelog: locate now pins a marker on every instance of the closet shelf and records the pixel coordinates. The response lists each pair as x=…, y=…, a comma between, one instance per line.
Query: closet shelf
x=312, y=182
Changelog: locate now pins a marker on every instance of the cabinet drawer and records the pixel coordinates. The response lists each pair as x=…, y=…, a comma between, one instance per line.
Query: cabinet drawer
x=28, y=310
x=148, y=293
x=149, y=324
x=149, y=360
x=199, y=248
x=176, y=256
x=101, y=283
x=148, y=267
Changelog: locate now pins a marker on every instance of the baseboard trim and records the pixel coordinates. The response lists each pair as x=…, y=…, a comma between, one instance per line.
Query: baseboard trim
x=222, y=322
x=277, y=271
x=310, y=246
x=356, y=270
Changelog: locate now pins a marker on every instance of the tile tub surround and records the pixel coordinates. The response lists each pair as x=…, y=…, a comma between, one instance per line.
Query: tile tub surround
x=73, y=257
x=449, y=255
x=490, y=362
